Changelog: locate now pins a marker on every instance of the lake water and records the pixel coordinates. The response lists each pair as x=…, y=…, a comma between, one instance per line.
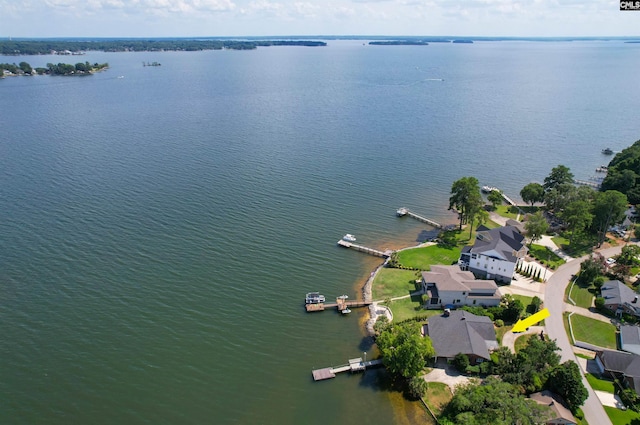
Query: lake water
x=158, y=231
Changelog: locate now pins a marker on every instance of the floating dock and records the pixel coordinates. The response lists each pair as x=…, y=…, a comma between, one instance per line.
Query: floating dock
x=354, y=365
x=366, y=250
x=401, y=212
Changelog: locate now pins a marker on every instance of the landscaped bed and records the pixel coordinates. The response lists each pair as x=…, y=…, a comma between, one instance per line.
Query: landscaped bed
x=545, y=256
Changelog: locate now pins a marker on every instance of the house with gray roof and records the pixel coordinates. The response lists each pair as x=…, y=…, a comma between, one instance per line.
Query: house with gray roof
x=448, y=286
x=459, y=331
x=495, y=253
x=619, y=298
x=559, y=414
x=620, y=365
x=630, y=339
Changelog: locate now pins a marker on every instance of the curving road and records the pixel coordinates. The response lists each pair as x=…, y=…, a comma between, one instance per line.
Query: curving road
x=554, y=301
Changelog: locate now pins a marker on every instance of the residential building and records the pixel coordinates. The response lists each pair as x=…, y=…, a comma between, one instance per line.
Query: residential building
x=459, y=331
x=448, y=286
x=619, y=298
x=620, y=365
x=630, y=339
x=495, y=253
x=560, y=415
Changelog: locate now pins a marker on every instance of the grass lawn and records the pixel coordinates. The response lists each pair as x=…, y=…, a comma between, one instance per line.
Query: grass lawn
x=581, y=245
x=594, y=331
x=545, y=256
x=391, y=283
x=408, y=308
x=522, y=341
x=507, y=211
x=600, y=384
x=582, y=295
x=622, y=417
x=501, y=331
x=422, y=258
x=525, y=300
x=437, y=397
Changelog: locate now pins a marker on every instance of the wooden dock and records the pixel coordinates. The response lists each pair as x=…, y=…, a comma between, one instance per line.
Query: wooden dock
x=354, y=365
x=508, y=200
x=366, y=250
x=341, y=303
x=401, y=212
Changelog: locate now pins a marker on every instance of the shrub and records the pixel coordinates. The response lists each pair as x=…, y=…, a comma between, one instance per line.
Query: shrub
x=599, y=303
x=499, y=323
x=461, y=362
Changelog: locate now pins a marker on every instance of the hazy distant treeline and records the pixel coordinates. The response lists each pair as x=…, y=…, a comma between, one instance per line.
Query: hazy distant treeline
x=44, y=47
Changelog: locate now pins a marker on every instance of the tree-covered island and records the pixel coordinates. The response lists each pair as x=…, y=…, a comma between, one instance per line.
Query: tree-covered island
x=24, y=68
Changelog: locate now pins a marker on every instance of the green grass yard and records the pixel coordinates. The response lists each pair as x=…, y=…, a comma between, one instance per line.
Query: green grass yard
x=622, y=417
x=408, y=308
x=600, y=384
x=422, y=258
x=438, y=396
x=390, y=283
x=594, y=331
x=582, y=295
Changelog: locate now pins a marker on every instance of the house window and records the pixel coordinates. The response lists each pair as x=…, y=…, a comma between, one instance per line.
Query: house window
x=464, y=293
x=474, y=301
x=485, y=266
x=457, y=302
x=474, y=255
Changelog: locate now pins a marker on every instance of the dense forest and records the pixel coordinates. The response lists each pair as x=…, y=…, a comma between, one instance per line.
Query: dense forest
x=624, y=172
x=81, y=68
x=45, y=47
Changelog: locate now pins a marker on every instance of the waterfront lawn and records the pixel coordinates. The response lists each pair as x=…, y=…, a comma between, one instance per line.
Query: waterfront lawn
x=422, y=258
x=593, y=331
x=437, y=397
x=545, y=256
x=582, y=295
x=622, y=417
x=600, y=384
x=391, y=283
x=408, y=308
x=507, y=211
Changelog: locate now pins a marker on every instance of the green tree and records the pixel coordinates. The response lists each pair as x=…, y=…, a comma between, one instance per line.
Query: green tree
x=532, y=193
x=26, y=68
x=495, y=198
x=461, y=362
x=478, y=215
x=566, y=381
x=536, y=226
x=534, y=306
x=465, y=198
x=577, y=216
x=494, y=402
x=608, y=209
x=512, y=308
x=559, y=175
x=404, y=351
x=417, y=387
x=629, y=255
x=591, y=268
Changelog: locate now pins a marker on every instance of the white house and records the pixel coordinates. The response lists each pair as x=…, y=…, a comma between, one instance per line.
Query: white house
x=495, y=253
x=450, y=286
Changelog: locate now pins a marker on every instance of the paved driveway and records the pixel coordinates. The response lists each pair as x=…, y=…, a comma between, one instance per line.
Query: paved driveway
x=446, y=374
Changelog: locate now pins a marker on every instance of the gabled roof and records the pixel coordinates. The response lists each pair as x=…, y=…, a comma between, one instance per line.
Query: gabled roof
x=616, y=292
x=620, y=362
x=547, y=398
x=451, y=278
x=462, y=332
x=504, y=240
x=629, y=335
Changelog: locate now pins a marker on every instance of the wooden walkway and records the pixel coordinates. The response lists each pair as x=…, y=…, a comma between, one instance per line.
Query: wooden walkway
x=508, y=200
x=354, y=365
x=403, y=211
x=366, y=250
x=340, y=303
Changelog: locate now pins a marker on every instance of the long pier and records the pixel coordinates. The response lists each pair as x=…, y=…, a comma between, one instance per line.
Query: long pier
x=354, y=365
x=508, y=200
x=362, y=248
x=403, y=211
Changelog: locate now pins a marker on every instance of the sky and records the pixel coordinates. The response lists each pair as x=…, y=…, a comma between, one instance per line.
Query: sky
x=187, y=18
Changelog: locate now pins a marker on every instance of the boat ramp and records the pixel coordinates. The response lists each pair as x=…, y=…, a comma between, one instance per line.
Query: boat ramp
x=354, y=365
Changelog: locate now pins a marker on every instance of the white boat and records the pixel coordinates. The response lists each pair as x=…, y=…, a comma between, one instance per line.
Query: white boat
x=343, y=297
x=489, y=189
x=401, y=212
x=349, y=238
x=346, y=311
x=314, y=298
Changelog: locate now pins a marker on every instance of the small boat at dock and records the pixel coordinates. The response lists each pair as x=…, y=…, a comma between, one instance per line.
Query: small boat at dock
x=314, y=298
x=349, y=238
x=489, y=189
x=345, y=311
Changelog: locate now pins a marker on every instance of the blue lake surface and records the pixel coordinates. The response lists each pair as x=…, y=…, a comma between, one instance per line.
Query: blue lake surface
x=158, y=232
